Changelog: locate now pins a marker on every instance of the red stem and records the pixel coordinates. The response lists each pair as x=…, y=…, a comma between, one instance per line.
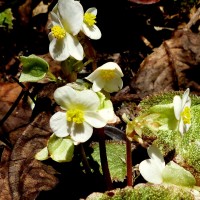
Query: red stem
x=129, y=163
x=103, y=157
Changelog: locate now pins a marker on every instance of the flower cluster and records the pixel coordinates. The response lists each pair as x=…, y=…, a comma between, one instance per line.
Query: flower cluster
x=67, y=20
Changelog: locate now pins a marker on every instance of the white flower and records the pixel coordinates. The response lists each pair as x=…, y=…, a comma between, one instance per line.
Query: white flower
x=155, y=171
x=80, y=116
x=107, y=77
x=67, y=19
x=89, y=28
x=151, y=169
x=182, y=111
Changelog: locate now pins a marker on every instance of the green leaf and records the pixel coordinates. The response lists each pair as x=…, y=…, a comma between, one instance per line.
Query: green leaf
x=177, y=175
x=60, y=149
x=42, y=154
x=34, y=68
x=6, y=18
x=116, y=155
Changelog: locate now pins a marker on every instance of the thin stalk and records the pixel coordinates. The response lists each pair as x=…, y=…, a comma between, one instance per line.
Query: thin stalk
x=103, y=157
x=84, y=160
x=129, y=163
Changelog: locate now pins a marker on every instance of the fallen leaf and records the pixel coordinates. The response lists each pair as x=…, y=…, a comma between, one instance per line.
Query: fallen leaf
x=9, y=92
x=24, y=176
x=172, y=66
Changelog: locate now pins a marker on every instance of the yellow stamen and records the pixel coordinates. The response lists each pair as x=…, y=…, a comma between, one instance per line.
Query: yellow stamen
x=186, y=115
x=75, y=115
x=58, y=32
x=89, y=19
x=107, y=74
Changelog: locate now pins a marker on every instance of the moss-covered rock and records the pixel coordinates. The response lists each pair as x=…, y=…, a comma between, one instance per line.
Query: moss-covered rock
x=157, y=124
x=146, y=192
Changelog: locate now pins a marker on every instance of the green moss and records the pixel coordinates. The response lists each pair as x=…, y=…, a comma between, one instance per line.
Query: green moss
x=189, y=147
x=166, y=141
x=148, y=192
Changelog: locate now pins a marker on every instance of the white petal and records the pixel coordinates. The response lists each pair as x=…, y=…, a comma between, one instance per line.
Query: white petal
x=92, y=76
x=155, y=154
x=107, y=113
x=58, y=124
x=92, y=10
x=93, y=32
x=181, y=127
x=65, y=96
x=88, y=100
x=69, y=98
x=113, y=85
x=55, y=19
x=186, y=98
x=98, y=84
x=150, y=171
x=81, y=132
x=112, y=66
x=58, y=49
x=95, y=119
x=71, y=13
x=74, y=47
x=177, y=106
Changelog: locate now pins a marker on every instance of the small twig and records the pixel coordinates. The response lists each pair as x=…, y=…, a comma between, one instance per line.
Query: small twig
x=193, y=19
x=24, y=88
x=103, y=157
x=84, y=160
x=12, y=107
x=129, y=163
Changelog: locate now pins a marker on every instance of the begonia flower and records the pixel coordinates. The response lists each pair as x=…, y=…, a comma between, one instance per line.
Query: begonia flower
x=89, y=28
x=67, y=19
x=107, y=77
x=154, y=170
x=79, y=116
x=182, y=111
x=151, y=169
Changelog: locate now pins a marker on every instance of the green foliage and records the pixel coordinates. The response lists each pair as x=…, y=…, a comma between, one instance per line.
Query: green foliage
x=6, y=18
x=34, y=68
x=60, y=149
x=116, y=154
x=177, y=175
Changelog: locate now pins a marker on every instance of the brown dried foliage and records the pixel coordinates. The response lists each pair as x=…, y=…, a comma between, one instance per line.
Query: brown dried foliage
x=172, y=66
x=22, y=176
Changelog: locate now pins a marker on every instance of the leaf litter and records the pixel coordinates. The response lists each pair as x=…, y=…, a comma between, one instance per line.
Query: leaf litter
x=172, y=66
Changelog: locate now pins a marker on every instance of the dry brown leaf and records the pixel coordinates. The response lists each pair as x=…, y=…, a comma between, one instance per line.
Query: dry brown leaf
x=172, y=66
x=4, y=181
x=25, y=177
x=22, y=113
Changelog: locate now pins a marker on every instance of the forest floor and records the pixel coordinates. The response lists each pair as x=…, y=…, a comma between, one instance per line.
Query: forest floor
x=156, y=45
